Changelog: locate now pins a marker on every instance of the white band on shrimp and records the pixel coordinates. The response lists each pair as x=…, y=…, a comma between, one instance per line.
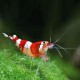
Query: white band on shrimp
x=41, y=46
x=18, y=42
x=28, y=45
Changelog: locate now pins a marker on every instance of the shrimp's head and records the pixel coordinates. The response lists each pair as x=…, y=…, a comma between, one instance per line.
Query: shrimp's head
x=44, y=46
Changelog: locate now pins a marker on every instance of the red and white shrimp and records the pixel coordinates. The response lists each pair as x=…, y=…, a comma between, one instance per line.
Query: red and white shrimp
x=36, y=49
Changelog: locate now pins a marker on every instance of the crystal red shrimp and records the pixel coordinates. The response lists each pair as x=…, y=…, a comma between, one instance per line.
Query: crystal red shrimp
x=36, y=49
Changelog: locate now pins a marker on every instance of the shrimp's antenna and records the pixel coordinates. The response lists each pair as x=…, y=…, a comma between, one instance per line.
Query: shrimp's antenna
x=58, y=51
x=63, y=48
x=62, y=35
x=70, y=48
x=59, y=38
x=50, y=35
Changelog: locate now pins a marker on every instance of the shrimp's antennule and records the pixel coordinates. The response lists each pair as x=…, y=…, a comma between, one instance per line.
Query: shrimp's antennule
x=58, y=51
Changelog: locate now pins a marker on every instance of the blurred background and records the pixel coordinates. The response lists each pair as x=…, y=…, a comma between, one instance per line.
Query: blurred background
x=34, y=18
x=42, y=19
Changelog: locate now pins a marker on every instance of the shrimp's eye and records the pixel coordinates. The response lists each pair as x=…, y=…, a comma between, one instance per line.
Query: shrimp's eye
x=44, y=42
